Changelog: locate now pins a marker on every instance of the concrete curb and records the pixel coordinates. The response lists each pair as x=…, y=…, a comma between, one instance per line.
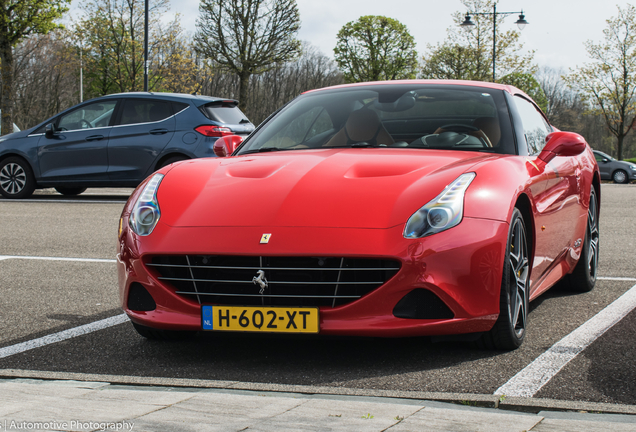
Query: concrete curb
x=527, y=405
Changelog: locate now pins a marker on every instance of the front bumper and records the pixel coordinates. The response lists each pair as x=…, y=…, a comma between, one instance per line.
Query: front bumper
x=461, y=266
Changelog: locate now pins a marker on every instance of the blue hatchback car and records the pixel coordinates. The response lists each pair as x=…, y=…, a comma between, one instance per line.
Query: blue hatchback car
x=115, y=141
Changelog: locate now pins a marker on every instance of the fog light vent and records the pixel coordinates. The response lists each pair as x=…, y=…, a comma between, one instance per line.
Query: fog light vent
x=422, y=304
x=139, y=299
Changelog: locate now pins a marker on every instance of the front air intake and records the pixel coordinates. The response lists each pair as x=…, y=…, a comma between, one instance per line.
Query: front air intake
x=139, y=299
x=422, y=304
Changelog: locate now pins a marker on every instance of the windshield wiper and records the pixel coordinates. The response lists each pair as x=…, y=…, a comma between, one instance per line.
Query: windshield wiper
x=262, y=150
x=366, y=144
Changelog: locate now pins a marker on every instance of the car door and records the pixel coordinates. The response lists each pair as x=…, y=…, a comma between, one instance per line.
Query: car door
x=78, y=149
x=556, y=195
x=144, y=129
x=604, y=165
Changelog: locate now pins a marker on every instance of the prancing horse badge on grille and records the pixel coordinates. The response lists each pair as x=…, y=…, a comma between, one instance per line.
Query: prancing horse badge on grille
x=260, y=279
x=265, y=238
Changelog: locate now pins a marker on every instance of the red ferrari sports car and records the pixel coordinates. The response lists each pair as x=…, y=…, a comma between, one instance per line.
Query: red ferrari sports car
x=402, y=208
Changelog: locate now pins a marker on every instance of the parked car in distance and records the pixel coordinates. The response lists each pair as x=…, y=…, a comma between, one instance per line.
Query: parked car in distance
x=115, y=141
x=388, y=209
x=613, y=169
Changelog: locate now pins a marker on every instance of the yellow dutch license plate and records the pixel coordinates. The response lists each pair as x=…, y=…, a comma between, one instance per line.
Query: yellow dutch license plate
x=260, y=319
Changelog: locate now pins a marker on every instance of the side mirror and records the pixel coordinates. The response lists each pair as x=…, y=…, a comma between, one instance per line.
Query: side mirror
x=605, y=160
x=225, y=146
x=49, y=130
x=562, y=144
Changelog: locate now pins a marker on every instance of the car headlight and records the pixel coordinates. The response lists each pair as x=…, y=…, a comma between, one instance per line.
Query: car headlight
x=145, y=213
x=442, y=213
x=632, y=167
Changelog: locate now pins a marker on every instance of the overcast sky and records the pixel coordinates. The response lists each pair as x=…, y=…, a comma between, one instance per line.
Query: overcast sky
x=556, y=31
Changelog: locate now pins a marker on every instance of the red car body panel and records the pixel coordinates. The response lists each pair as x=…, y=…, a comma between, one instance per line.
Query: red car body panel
x=371, y=315
x=311, y=201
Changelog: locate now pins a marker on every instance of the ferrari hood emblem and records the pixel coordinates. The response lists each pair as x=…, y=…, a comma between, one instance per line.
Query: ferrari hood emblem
x=265, y=238
x=260, y=280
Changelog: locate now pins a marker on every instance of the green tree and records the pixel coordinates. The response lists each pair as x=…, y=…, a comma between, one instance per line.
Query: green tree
x=527, y=83
x=173, y=67
x=248, y=37
x=375, y=48
x=453, y=61
x=467, y=51
x=608, y=83
x=111, y=35
x=19, y=19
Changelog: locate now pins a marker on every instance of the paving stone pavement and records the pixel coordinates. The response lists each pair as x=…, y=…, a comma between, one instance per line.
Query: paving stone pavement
x=67, y=405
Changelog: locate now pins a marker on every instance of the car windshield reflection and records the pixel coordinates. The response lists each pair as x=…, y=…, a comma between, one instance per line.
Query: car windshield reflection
x=399, y=116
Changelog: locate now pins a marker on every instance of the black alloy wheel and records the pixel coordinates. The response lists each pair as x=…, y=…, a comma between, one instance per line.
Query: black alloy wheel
x=16, y=179
x=509, y=331
x=620, y=176
x=583, y=277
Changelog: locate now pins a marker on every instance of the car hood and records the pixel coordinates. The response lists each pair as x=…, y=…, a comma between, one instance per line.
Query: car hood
x=16, y=135
x=352, y=187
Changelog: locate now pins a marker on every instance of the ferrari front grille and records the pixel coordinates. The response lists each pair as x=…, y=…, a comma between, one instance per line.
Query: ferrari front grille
x=273, y=281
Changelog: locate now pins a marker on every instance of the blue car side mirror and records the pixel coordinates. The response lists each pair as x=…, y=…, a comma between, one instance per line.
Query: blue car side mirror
x=49, y=130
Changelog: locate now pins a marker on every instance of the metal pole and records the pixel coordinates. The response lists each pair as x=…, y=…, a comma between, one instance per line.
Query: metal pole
x=81, y=78
x=494, y=39
x=146, y=46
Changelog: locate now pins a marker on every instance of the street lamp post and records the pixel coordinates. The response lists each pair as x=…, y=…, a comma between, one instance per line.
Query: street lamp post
x=521, y=23
x=146, y=45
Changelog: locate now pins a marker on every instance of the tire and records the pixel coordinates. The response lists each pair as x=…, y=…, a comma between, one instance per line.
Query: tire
x=163, y=335
x=583, y=277
x=509, y=331
x=170, y=160
x=16, y=178
x=620, y=176
x=70, y=191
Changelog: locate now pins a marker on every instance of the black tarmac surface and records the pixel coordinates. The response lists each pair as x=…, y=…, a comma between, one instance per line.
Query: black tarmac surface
x=43, y=297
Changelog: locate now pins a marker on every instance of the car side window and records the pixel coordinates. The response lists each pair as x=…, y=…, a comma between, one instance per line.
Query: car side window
x=535, y=128
x=321, y=124
x=177, y=107
x=89, y=116
x=144, y=111
x=302, y=128
x=599, y=157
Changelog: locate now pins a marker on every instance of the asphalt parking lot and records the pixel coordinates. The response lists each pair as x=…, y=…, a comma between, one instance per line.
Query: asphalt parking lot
x=78, y=287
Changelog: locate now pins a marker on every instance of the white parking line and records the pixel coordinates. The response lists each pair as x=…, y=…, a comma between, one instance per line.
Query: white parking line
x=534, y=376
x=616, y=278
x=63, y=335
x=114, y=201
x=100, y=260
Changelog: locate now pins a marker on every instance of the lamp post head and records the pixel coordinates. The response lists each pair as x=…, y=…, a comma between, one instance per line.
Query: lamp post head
x=521, y=22
x=467, y=24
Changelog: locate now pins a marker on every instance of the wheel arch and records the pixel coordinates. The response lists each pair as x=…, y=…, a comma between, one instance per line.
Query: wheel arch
x=170, y=155
x=25, y=159
x=525, y=207
x=596, y=184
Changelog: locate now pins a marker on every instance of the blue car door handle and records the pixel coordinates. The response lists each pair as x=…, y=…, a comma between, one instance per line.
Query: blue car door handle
x=158, y=131
x=94, y=137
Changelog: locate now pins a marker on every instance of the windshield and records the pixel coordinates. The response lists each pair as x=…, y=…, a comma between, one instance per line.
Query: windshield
x=425, y=116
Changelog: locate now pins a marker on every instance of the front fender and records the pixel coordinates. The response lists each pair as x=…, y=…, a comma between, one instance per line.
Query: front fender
x=499, y=184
